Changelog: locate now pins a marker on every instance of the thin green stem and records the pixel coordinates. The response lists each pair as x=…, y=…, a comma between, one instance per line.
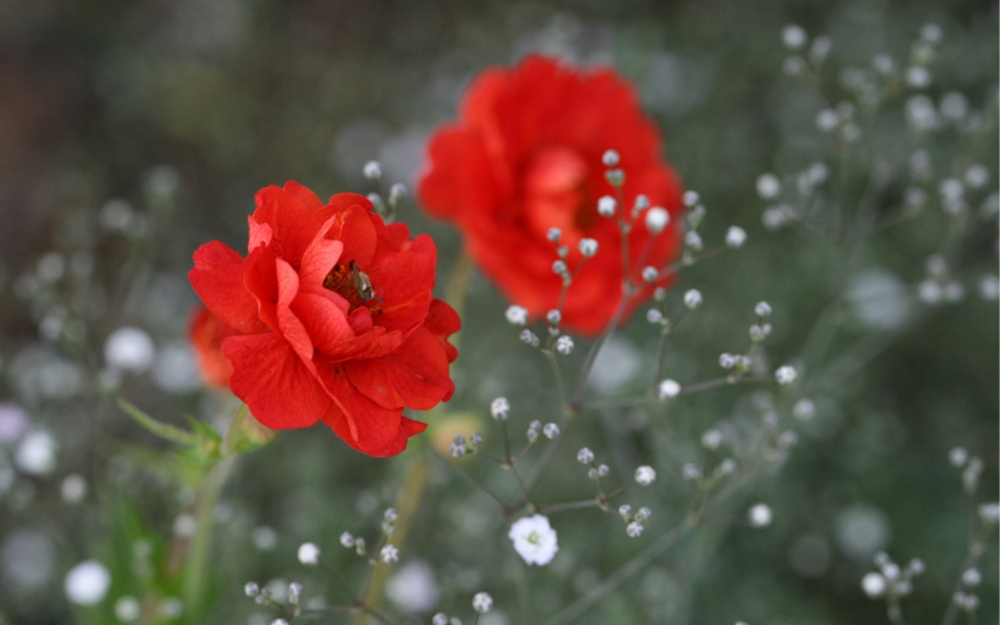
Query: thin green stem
x=196, y=566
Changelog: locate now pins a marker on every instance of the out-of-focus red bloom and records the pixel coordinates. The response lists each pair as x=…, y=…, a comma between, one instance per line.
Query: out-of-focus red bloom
x=525, y=156
x=334, y=316
x=206, y=332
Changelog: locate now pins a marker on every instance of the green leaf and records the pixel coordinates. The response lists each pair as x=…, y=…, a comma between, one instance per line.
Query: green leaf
x=162, y=430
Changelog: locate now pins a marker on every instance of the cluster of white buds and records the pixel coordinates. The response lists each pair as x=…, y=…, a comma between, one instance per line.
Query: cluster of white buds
x=458, y=448
x=564, y=345
x=740, y=363
x=785, y=375
x=295, y=593
x=349, y=541
x=599, y=471
x=389, y=518
x=533, y=429
x=442, y=619
x=529, y=338
x=760, y=331
x=633, y=521
x=891, y=580
x=939, y=286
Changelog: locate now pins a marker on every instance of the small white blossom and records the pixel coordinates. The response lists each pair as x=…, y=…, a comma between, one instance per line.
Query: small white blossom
x=87, y=583
x=918, y=77
x=553, y=234
x=294, y=593
x=128, y=609
x=516, y=315
x=972, y=577
x=727, y=361
x=564, y=345
x=634, y=529
x=440, y=619
x=251, y=589
x=793, y=36
x=693, y=240
x=36, y=453
x=785, y=374
x=711, y=439
x=650, y=274
x=874, y=585
x=500, y=408
x=690, y=472
x=989, y=512
x=654, y=316
x=692, y=298
x=347, y=540
x=977, y=176
x=625, y=511
x=931, y=33
x=820, y=48
x=691, y=198
x=529, y=338
x=603, y=470
x=373, y=170
x=643, y=514
x=534, y=539
x=760, y=515
x=585, y=456
x=762, y=309
x=916, y=566
x=588, y=247
x=279, y=621
x=804, y=409
x=457, y=449
x=482, y=602
x=735, y=237
x=559, y=266
x=389, y=554
x=309, y=554
x=615, y=177
x=610, y=159
x=551, y=430
x=553, y=317
x=606, y=206
x=129, y=349
x=958, y=456
x=657, y=219
x=645, y=475
x=768, y=186
x=827, y=120
x=668, y=389
x=641, y=203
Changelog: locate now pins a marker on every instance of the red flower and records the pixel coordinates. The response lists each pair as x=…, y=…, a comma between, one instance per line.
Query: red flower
x=525, y=156
x=334, y=316
x=206, y=332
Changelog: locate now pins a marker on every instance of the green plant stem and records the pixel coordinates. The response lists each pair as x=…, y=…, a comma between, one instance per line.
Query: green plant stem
x=196, y=565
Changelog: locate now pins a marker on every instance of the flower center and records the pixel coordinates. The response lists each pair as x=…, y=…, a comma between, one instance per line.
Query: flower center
x=557, y=193
x=348, y=281
x=534, y=538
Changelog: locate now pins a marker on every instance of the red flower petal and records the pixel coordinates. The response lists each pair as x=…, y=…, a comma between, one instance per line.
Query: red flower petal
x=293, y=224
x=274, y=382
x=217, y=277
x=361, y=422
x=291, y=326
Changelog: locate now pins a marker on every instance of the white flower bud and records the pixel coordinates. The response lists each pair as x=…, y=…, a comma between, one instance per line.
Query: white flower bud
x=588, y=247
x=309, y=554
x=251, y=589
x=727, y=361
x=693, y=240
x=564, y=345
x=654, y=316
x=760, y=515
x=585, y=456
x=294, y=593
x=691, y=198
x=457, y=449
x=529, y=338
x=768, y=186
x=958, y=456
x=559, y=266
x=603, y=470
x=643, y=514
x=690, y=472
x=785, y=374
x=396, y=193
x=650, y=274
x=500, y=408
x=516, y=315
x=668, y=389
x=804, y=409
x=711, y=439
x=553, y=317
x=606, y=206
x=971, y=577
x=440, y=619
x=615, y=177
x=373, y=170
x=735, y=237
x=874, y=585
x=347, y=540
x=554, y=234
x=657, y=219
x=762, y=309
x=931, y=33
x=634, y=529
x=482, y=602
x=827, y=120
x=551, y=430
x=692, y=298
x=389, y=554
x=610, y=158
x=793, y=36
x=625, y=511
x=641, y=203
x=645, y=475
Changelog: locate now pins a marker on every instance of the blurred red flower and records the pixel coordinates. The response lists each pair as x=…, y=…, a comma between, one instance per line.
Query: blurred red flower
x=525, y=156
x=206, y=332
x=334, y=316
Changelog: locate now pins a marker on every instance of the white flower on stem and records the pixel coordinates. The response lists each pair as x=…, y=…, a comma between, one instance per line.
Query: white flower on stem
x=874, y=585
x=692, y=298
x=500, y=408
x=251, y=589
x=606, y=206
x=785, y=374
x=958, y=456
x=87, y=583
x=693, y=240
x=553, y=234
x=691, y=198
x=564, y=345
x=762, y=309
x=735, y=237
x=551, y=430
x=389, y=554
x=534, y=539
x=482, y=602
x=440, y=619
x=650, y=274
x=634, y=529
x=553, y=317
x=610, y=159
x=760, y=515
x=645, y=475
x=588, y=247
x=129, y=349
x=768, y=186
x=516, y=315
x=668, y=389
x=585, y=456
x=654, y=316
x=657, y=219
x=373, y=170
x=794, y=36
x=309, y=554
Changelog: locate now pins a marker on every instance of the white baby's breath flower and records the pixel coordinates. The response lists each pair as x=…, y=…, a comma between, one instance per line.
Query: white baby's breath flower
x=762, y=309
x=874, y=585
x=389, y=554
x=482, y=602
x=657, y=219
x=585, y=456
x=500, y=408
x=87, y=583
x=693, y=298
x=516, y=315
x=645, y=475
x=735, y=237
x=588, y=247
x=760, y=515
x=668, y=389
x=768, y=186
x=785, y=374
x=373, y=170
x=534, y=539
x=610, y=159
x=309, y=554
x=634, y=529
x=606, y=206
x=551, y=430
x=564, y=345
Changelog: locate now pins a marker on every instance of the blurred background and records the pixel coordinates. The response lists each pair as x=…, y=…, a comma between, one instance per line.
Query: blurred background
x=132, y=132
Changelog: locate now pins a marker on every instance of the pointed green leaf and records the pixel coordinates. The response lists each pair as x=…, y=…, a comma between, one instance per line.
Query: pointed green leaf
x=162, y=430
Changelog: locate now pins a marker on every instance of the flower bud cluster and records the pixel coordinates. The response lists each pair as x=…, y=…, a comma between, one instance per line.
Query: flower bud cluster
x=892, y=580
x=349, y=541
x=459, y=447
x=633, y=521
x=938, y=285
x=389, y=518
